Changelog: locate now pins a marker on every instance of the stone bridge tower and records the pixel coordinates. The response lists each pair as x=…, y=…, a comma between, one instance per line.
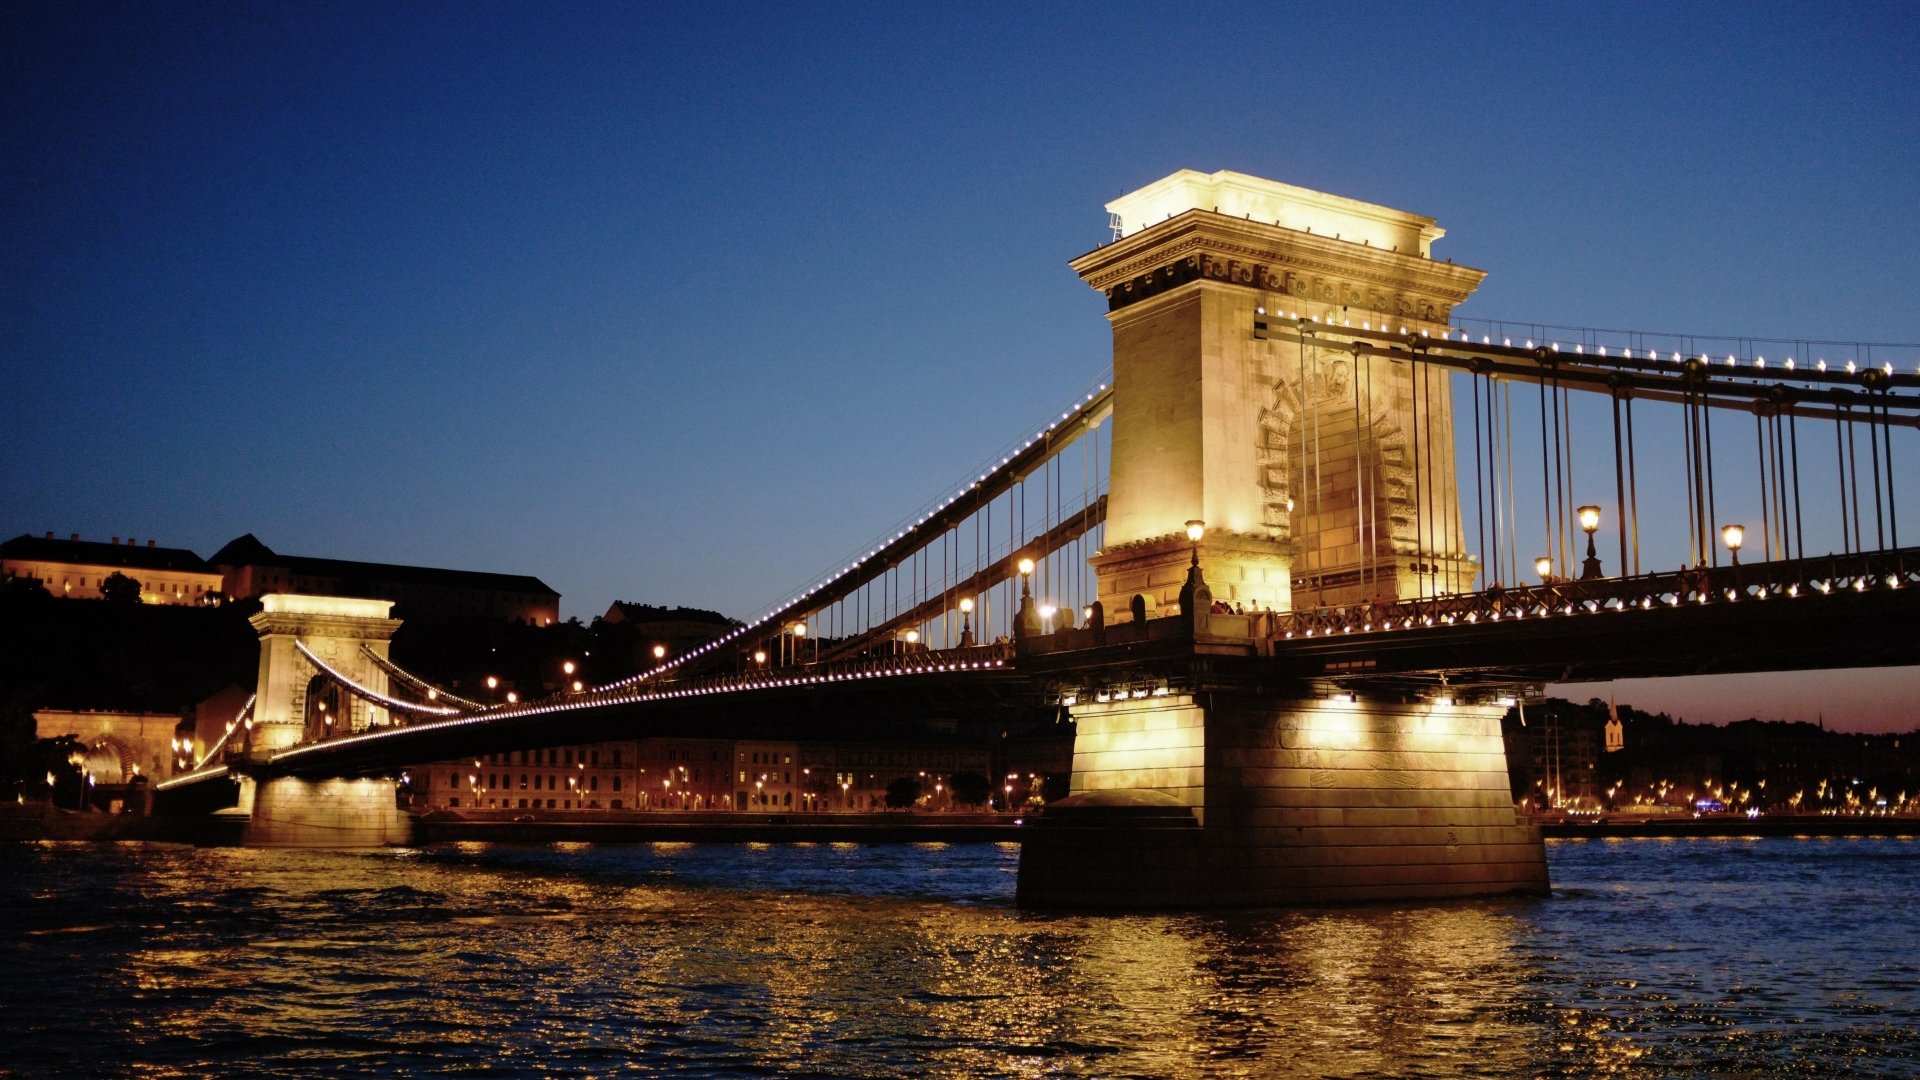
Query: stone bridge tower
x=1323, y=478
x=296, y=703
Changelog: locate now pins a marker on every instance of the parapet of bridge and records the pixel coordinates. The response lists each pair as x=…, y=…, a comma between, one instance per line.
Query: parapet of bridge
x=1299, y=467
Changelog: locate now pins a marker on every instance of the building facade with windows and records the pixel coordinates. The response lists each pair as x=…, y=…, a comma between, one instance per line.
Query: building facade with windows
x=249, y=568
x=695, y=774
x=75, y=568
x=602, y=776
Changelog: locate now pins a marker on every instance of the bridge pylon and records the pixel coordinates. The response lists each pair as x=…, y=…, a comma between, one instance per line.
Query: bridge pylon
x=1286, y=476
x=295, y=703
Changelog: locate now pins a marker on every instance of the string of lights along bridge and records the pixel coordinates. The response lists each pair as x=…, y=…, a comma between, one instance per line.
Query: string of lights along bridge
x=942, y=593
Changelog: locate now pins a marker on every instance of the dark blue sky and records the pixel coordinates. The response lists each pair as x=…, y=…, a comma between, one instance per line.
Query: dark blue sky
x=687, y=303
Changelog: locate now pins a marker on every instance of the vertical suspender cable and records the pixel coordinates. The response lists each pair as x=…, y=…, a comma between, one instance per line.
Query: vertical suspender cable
x=1633, y=490
x=1711, y=521
x=1692, y=467
x=1893, y=515
x=1319, y=521
x=1419, y=448
x=1513, y=504
x=1873, y=446
x=1359, y=481
x=1793, y=449
x=1561, y=473
x=1766, y=506
x=1447, y=573
x=1299, y=425
x=1704, y=549
x=1496, y=570
x=1619, y=483
x=1780, y=483
x=1373, y=537
x=1548, y=472
x=1479, y=504
x=1840, y=477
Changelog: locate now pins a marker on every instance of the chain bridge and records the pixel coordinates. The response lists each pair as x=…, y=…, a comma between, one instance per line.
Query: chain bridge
x=1285, y=570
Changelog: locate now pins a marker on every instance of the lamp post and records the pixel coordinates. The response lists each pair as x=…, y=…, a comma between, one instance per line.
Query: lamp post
x=1544, y=567
x=1195, y=585
x=1047, y=612
x=1590, y=521
x=1733, y=536
x=966, y=622
x=1026, y=621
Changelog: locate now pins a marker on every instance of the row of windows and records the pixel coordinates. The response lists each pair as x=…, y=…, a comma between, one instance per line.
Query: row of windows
x=563, y=804
x=552, y=757
x=157, y=586
x=540, y=781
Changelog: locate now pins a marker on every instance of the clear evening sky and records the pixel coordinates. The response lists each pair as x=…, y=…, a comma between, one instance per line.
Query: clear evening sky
x=687, y=303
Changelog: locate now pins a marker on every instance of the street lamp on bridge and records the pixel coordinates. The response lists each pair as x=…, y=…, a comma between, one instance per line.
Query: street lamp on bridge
x=966, y=622
x=1190, y=591
x=1026, y=621
x=1544, y=567
x=1734, y=536
x=1590, y=521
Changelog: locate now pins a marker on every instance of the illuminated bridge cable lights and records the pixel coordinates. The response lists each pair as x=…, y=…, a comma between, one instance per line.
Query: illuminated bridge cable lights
x=922, y=530
x=979, y=660
x=368, y=694
x=426, y=689
x=240, y=719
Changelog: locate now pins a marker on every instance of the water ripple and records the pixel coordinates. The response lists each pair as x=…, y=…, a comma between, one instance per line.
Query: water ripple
x=1760, y=957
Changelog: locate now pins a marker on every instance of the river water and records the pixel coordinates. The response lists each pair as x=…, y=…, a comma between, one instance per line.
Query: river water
x=1652, y=958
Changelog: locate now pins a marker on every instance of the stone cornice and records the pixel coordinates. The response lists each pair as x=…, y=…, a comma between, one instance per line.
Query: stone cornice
x=1218, y=544
x=334, y=626
x=1201, y=245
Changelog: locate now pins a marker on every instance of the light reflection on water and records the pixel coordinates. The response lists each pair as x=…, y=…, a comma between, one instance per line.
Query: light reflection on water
x=1776, y=957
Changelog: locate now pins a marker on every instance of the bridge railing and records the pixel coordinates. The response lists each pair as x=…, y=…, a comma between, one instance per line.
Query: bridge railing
x=1688, y=585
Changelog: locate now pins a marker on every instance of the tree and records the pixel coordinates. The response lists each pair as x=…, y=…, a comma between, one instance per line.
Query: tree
x=971, y=789
x=118, y=588
x=903, y=793
x=24, y=589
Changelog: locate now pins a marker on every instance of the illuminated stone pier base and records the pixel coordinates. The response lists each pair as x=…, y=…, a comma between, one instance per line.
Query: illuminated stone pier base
x=291, y=812
x=1245, y=801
